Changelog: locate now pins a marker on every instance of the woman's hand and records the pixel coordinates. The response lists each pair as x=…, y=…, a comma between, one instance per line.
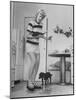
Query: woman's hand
x=42, y=36
x=46, y=38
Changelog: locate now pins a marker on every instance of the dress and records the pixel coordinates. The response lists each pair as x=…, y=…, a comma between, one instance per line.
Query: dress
x=34, y=29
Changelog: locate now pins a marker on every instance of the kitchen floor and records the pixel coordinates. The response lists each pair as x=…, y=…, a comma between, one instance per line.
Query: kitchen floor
x=20, y=90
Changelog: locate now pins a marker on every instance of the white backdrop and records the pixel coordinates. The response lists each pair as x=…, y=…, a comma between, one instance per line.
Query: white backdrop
x=5, y=48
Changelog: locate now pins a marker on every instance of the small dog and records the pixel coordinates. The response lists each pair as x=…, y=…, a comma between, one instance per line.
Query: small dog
x=45, y=76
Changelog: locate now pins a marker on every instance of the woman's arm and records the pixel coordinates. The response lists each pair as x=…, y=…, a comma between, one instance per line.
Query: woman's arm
x=38, y=36
x=46, y=38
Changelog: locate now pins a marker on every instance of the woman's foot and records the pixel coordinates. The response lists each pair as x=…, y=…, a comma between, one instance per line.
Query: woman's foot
x=30, y=86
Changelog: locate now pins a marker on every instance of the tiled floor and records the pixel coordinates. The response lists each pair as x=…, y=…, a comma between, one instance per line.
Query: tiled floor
x=20, y=90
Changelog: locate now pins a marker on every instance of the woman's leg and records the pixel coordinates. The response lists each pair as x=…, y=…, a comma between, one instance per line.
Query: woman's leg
x=32, y=64
x=36, y=66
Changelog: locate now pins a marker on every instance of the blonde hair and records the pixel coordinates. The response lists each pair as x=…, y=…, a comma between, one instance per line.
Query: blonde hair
x=42, y=12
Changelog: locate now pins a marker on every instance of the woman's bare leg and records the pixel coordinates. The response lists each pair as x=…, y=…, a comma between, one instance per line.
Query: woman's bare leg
x=33, y=59
x=36, y=66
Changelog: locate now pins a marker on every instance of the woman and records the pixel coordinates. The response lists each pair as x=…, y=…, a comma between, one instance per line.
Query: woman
x=34, y=32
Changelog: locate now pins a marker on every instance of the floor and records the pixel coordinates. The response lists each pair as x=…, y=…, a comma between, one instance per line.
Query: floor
x=20, y=90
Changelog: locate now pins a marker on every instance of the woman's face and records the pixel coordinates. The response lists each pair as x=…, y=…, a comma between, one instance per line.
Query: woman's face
x=39, y=18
